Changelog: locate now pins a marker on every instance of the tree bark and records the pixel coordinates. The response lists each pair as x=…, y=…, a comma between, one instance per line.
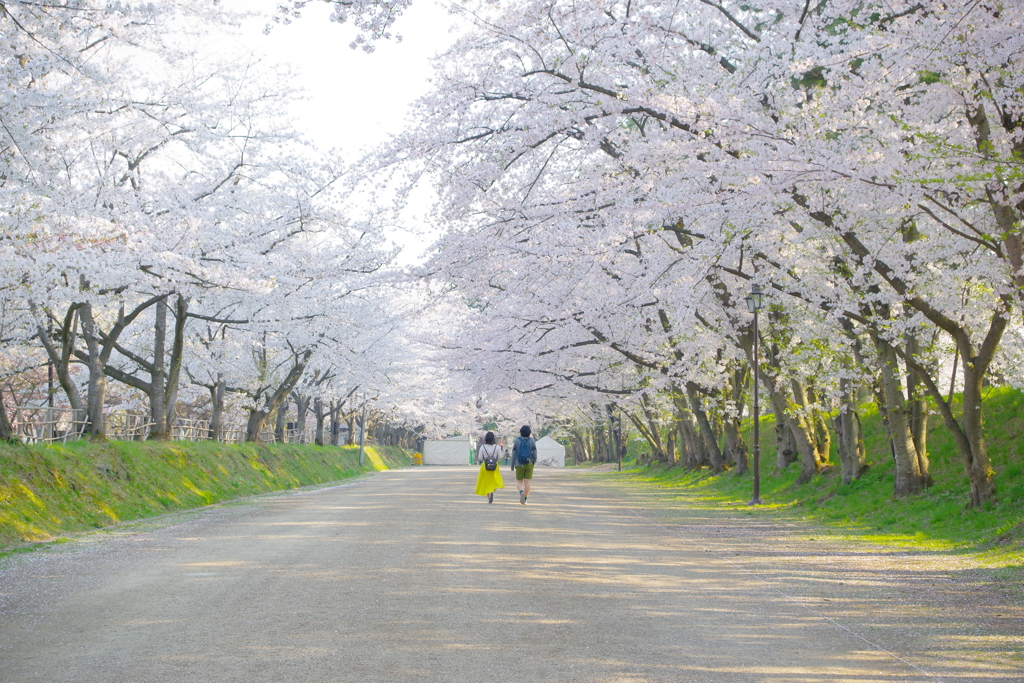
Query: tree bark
x=176, y=361
x=217, y=408
x=158, y=375
x=6, y=430
x=795, y=430
x=696, y=455
x=850, y=440
x=785, y=443
x=808, y=433
x=258, y=415
x=692, y=454
x=336, y=424
x=96, y=395
x=301, y=409
x=735, y=445
x=968, y=434
x=351, y=438
x=976, y=363
x=648, y=428
x=61, y=361
x=707, y=433
x=279, y=425
x=908, y=476
x=918, y=415
x=321, y=415
x=100, y=346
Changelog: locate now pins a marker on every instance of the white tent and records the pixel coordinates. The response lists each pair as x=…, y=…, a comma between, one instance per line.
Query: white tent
x=550, y=452
x=451, y=451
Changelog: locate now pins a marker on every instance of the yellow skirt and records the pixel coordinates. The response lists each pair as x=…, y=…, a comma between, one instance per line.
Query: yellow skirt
x=488, y=481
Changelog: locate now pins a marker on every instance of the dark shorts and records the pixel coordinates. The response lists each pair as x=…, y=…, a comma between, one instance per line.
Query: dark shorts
x=524, y=471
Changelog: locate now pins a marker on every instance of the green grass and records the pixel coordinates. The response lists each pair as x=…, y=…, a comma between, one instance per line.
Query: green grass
x=937, y=518
x=49, y=491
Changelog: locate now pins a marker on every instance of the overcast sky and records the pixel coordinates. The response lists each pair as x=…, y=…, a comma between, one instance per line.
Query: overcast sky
x=356, y=99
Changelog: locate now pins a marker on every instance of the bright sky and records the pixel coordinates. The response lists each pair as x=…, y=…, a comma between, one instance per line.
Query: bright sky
x=355, y=100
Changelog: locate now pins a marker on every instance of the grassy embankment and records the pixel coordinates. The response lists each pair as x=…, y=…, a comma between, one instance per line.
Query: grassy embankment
x=937, y=518
x=49, y=491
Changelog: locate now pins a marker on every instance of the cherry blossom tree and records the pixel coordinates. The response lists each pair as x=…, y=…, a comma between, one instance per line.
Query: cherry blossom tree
x=715, y=146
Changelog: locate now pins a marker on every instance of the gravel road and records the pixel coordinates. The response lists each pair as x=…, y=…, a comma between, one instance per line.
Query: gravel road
x=407, y=576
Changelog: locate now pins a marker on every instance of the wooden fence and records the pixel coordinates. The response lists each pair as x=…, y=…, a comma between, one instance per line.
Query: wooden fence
x=58, y=425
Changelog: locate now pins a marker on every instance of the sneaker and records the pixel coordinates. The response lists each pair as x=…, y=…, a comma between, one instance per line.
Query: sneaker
x=522, y=498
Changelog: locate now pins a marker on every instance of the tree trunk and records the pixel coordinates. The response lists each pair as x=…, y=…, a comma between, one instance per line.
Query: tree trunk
x=735, y=445
x=976, y=363
x=301, y=408
x=602, y=443
x=909, y=479
x=785, y=442
x=707, y=434
x=822, y=439
x=798, y=428
x=95, y=420
x=968, y=434
x=258, y=415
x=217, y=410
x=695, y=455
x=254, y=425
x=979, y=468
x=580, y=450
x=850, y=441
x=176, y=361
x=648, y=428
x=670, y=445
x=692, y=455
x=351, y=440
x=158, y=375
x=6, y=430
x=336, y=428
x=61, y=361
x=101, y=346
x=918, y=416
x=615, y=431
x=320, y=415
x=787, y=449
x=282, y=412
x=807, y=434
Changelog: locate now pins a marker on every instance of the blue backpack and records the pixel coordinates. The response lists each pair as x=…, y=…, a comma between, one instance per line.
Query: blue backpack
x=523, y=451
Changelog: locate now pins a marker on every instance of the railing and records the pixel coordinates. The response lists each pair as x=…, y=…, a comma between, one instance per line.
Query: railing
x=58, y=425
x=46, y=424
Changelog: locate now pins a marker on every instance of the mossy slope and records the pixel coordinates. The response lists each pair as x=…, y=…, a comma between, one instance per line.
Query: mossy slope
x=938, y=517
x=47, y=491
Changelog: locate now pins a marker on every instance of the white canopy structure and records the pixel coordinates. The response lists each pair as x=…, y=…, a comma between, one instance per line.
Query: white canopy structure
x=454, y=450
x=550, y=452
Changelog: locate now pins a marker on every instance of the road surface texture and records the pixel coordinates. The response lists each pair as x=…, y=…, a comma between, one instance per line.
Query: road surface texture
x=407, y=576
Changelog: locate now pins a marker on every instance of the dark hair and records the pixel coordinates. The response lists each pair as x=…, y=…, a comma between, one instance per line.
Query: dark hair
x=525, y=431
x=489, y=438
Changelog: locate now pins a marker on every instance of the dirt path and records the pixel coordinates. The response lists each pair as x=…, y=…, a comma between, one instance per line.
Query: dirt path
x=944, y=612
x=408, y=576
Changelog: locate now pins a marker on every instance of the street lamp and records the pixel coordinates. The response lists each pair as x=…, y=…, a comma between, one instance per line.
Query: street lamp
x=755, y=300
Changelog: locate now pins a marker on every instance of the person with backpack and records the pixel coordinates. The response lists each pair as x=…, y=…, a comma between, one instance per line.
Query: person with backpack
x=489, y=477
x=524, y=456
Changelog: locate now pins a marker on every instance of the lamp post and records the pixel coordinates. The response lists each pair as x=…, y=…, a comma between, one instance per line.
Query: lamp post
x=755, y=300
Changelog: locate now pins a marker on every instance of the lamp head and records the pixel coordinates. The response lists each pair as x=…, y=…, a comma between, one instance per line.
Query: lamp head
x=755, y=300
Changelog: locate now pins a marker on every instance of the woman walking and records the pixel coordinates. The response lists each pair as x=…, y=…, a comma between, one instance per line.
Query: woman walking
x=489, y=477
